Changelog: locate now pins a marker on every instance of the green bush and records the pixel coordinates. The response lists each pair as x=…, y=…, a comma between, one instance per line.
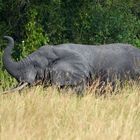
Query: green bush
x=107, y=23
x=35, y=36
x=34, y=23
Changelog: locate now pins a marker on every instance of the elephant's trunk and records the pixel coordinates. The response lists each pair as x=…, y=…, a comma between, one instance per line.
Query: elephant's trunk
x=10, y=65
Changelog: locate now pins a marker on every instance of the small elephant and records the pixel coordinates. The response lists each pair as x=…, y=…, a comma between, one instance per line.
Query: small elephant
x=73, y=65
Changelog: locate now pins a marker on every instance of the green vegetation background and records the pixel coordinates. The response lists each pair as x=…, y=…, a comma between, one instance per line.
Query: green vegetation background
x=33, y=23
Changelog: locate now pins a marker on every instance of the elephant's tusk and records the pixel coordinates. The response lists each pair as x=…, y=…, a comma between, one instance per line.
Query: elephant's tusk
x=16, y=89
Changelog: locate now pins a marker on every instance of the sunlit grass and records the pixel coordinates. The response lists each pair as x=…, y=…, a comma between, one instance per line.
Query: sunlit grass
x=46, y=114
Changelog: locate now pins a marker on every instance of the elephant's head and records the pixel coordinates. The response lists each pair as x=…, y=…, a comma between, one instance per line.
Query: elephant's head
x=58, y=65
x=23, y=70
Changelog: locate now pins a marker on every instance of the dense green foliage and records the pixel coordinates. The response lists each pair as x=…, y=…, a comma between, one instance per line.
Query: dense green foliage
x=33, y=23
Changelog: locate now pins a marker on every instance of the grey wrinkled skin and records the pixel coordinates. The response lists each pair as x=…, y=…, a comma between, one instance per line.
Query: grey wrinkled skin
x=74, y=65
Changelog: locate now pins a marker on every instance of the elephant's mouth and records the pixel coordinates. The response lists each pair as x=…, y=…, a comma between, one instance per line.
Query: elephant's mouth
x=37, y=82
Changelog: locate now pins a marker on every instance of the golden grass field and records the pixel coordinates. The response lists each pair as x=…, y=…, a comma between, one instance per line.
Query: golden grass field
x=45, y=114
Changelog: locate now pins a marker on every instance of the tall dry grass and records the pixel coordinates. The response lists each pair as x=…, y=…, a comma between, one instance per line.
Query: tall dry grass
x=39, y=114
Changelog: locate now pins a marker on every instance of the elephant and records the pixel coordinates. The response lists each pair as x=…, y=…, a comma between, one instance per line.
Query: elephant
x=74, y=65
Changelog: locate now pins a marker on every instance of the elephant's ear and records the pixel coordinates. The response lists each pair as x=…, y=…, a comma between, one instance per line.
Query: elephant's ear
x=70, y=69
